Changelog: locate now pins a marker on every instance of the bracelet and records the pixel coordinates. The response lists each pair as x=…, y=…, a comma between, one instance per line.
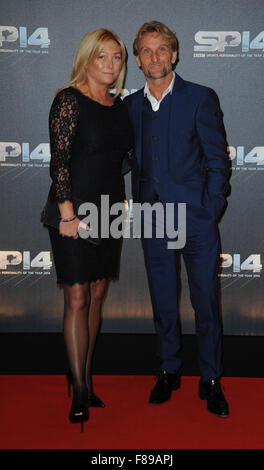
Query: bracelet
x=69, y=219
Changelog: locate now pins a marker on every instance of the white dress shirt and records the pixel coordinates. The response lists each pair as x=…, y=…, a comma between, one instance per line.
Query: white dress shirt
x=155, y=104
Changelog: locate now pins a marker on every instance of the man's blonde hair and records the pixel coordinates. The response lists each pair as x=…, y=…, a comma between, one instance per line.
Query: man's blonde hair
x=155, y=27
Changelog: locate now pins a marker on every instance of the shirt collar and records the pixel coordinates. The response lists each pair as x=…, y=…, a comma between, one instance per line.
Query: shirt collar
x=168, y=90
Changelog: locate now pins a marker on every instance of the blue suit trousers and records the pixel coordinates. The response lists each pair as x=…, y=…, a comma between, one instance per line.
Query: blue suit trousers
x=201, y=258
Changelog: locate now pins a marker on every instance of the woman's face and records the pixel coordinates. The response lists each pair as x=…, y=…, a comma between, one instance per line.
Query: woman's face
x=106, y=67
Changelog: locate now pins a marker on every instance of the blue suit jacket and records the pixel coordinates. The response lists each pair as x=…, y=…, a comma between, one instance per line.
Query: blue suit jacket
x=198, y=160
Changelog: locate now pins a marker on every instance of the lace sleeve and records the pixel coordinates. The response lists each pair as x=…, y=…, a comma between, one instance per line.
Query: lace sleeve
x=63, y=120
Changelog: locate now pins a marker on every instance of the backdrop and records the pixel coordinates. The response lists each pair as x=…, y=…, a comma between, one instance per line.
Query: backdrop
x=221, y=46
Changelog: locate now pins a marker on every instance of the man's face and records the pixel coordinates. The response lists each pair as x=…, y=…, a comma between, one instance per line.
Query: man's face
x=155, y=56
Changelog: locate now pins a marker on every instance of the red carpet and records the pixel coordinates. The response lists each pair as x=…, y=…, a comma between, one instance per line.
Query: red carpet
x=34, y=415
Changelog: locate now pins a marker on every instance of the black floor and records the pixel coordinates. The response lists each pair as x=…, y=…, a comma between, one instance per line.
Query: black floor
x=44, y=353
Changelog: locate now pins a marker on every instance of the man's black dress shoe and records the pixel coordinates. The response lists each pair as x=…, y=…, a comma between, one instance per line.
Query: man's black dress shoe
x=212, y=392
x=166, y=383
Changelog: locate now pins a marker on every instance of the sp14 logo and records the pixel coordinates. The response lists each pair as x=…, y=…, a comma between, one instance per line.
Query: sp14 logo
x=10, y=35
x=251, y=264
x=218, y=41
x=10, y=151
x=10, y=259
x=242, y=157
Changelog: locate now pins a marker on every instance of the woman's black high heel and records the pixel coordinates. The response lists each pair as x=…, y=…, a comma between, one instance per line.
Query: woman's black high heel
x=93, y=401
x=79, y=410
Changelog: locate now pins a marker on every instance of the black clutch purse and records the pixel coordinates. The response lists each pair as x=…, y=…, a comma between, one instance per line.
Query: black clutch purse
x=128, y=161
x=50, y=217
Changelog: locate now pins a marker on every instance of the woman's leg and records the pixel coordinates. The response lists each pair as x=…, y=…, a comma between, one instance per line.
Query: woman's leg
x=98, y=292
x=76, y=334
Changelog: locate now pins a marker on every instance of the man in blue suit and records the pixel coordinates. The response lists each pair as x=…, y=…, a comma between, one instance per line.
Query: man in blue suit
x=180, y=157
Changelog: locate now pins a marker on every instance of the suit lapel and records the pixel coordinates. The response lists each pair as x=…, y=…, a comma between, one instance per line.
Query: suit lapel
x=177, y=104
x=175, y=120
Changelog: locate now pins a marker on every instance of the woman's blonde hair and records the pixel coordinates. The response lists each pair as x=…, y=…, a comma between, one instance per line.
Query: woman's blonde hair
x=88, y=50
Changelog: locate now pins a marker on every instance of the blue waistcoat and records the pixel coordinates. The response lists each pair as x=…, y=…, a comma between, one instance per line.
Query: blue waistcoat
x=154, y=170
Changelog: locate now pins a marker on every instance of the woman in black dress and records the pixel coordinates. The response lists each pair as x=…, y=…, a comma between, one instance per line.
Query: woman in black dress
x=90, y=134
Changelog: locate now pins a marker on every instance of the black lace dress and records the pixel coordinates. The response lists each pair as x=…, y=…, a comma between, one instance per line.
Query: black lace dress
x=88, y=144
